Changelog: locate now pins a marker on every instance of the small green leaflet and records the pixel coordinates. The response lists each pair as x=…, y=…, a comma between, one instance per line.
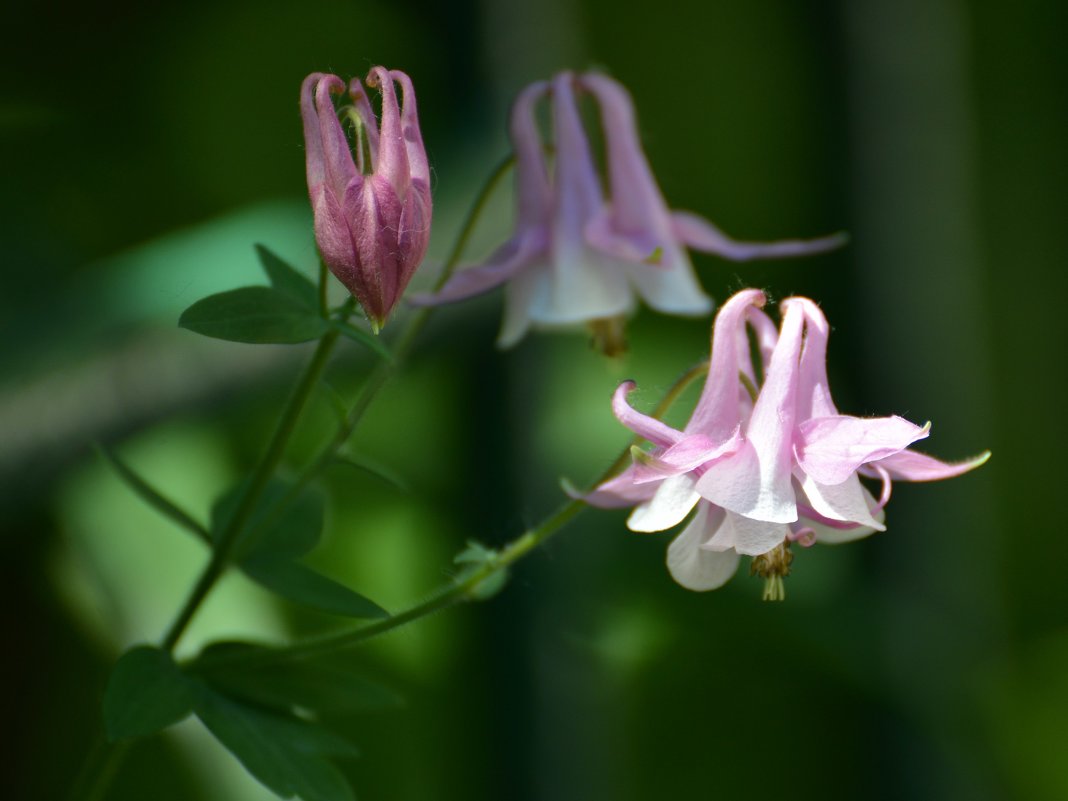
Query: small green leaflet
x=304, y=586
x=325, y=685
x=477, y=556
x=286, y=754
x=286, y=278
x=255, y=314
x=289, y=529
x=152, y=496
x=145, y=693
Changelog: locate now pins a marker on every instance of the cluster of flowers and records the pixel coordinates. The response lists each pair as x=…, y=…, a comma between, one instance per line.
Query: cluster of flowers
x=766, y=458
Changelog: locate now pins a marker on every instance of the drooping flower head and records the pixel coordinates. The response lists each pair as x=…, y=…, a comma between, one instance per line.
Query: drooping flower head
x=578, y=256
x=372, y=208
x=768, y=470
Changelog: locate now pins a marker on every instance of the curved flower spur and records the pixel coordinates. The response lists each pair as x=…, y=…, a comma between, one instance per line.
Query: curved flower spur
x=767, y=471
x=372, y=210
x=578, y=258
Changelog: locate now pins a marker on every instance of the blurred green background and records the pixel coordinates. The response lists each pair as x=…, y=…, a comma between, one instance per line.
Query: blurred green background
x=146, y=147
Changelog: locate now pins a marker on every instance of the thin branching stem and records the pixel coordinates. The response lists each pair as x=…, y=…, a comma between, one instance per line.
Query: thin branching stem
x=467, y=586
x=104, y=760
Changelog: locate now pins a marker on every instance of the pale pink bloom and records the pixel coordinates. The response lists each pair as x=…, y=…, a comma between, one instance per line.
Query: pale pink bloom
x=372, y=220
x=762, y=474
x=577, y=257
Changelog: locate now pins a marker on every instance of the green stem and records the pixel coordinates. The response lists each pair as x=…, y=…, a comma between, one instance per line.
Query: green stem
x=224, y=546
x=384, y=370
x=99, y=769
x=465, y=588
x=106, y=757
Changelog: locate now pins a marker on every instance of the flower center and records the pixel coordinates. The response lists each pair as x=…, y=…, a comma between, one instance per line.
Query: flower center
x=773, y=567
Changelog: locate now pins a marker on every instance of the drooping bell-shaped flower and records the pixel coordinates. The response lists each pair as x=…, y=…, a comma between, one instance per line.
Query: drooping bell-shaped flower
x=766, y=472
x=372, y=209
x=662, y=484
x=578, y=256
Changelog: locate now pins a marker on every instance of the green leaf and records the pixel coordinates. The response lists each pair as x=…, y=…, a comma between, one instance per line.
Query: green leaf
x=477, y=556
x=373, y=468
x=325, y=686
x=304, y=586
x=255, y=314
x=290, y=532
x=153, y=497
x=283, y=753
x=145, y=693
x=286, y=278
x=363, y=337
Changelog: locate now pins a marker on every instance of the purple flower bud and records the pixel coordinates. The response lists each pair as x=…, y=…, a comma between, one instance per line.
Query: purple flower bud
x=372, y=215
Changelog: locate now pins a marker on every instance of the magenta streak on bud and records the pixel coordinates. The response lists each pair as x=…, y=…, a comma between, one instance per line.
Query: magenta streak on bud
x=372, y=221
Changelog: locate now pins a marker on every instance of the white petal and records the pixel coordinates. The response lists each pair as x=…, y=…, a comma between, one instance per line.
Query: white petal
x=835, y=536
x=847, y=501
x=673, y=501
x=694, y=567
x=751, y=537
x=741, y=484
x=671, y=286
x=519, y=296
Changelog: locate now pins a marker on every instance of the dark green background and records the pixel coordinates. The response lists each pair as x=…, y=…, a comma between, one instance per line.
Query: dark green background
x=144, y=148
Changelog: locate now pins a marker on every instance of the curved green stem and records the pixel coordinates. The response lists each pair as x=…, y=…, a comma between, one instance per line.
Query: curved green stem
x=466, y=587
x=226, y=541
x=98, y=770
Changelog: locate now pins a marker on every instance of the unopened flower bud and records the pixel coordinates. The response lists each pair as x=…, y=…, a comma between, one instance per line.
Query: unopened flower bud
x=372, y=215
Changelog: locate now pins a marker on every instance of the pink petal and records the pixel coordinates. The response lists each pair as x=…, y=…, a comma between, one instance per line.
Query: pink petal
x=830, y=449
x=685, y=455
x=584, y=284
x=814, y=391
x=638, y=210
x=910, y=465
x=718, y=412
x=392, y=161
x=533, y=190
x=643, y=425
x=409, y=125
x=617, y=492
x=702, y=235
x=639, y=247
x=755, y=481
x=508, y=260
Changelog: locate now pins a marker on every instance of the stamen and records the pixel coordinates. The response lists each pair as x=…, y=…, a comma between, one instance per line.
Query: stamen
x=773, y=566
x=607, y=335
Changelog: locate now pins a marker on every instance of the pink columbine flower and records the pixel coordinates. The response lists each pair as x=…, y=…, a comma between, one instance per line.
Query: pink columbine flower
x=577, y=257
x=372, y=211
x=766, y=473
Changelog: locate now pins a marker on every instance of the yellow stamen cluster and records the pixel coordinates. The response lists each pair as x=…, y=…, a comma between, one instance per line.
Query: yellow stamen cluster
x=773, y=567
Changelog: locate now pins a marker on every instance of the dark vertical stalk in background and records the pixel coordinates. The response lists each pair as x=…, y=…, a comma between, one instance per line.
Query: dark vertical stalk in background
x=924, y=309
